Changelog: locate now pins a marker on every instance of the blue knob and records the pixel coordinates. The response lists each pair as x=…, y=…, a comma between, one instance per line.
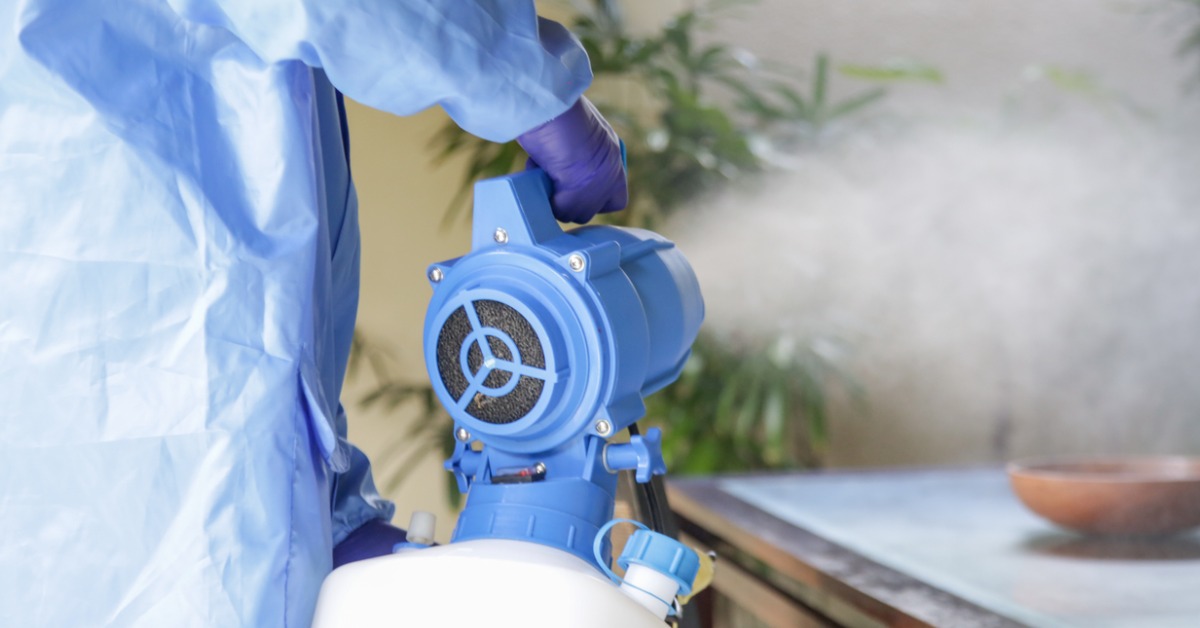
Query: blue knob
x=642, y=452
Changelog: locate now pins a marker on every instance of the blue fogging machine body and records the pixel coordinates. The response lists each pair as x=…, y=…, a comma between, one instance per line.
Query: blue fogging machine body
x=541, y=344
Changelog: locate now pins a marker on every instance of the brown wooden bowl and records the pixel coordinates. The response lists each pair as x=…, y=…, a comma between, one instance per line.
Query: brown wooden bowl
x=1112, y=496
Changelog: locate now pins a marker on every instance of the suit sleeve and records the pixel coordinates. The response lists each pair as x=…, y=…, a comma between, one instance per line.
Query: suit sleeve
x=495, y=67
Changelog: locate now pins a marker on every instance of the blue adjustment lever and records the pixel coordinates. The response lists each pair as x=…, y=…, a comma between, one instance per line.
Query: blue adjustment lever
x=642, y=452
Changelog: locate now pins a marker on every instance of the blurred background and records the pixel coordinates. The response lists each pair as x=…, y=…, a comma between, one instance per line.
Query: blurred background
x=928, y=232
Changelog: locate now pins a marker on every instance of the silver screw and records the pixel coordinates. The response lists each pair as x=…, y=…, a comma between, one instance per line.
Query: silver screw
x=575, y=262
x=462, y=434
x=435, y=275
x=603, y=428
x=500, y=236
x=539, y=468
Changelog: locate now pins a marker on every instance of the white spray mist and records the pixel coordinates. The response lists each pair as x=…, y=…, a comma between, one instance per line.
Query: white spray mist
x=1010, y=286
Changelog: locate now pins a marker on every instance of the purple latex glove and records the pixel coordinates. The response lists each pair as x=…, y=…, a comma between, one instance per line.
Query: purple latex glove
x=582, y=155
x=373, y=538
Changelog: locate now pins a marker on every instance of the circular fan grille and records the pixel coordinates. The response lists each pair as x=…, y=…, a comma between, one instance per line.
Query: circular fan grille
x=492, y=362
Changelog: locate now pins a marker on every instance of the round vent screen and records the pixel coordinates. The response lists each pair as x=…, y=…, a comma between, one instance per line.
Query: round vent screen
x=492, y=362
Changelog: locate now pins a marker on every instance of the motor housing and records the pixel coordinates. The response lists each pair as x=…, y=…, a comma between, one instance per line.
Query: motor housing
x=541, y=344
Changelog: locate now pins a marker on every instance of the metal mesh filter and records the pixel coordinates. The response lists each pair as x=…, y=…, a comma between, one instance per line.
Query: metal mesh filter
x=513, y=349
x=452, y=336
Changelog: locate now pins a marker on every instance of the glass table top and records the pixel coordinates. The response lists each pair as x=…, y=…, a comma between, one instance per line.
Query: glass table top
x=963, y=531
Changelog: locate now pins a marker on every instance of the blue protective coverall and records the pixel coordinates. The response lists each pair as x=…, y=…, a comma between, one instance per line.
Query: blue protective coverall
x=179, y=253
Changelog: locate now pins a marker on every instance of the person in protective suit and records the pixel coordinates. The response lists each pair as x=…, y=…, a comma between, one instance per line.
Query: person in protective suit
x=179, y=244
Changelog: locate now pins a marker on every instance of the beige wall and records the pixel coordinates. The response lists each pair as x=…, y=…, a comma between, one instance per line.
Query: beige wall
x=401, y=197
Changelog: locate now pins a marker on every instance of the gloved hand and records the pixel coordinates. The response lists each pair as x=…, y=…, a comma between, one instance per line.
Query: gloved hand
x=373, y=538
x=582, y=155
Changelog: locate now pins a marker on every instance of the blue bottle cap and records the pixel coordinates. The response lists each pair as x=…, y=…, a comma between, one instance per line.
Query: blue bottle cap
x=662, y=554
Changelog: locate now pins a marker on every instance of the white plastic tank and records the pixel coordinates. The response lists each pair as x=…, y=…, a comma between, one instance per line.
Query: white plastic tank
x=482, y=583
